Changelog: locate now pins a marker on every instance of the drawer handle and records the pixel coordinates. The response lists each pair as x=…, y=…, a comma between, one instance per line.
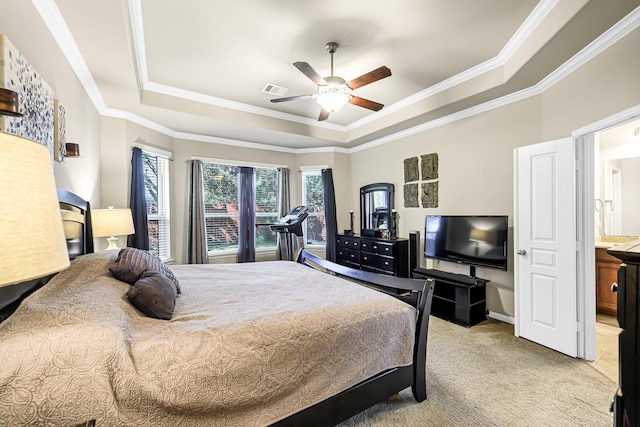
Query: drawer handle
x=614, y=287
x=386, y=263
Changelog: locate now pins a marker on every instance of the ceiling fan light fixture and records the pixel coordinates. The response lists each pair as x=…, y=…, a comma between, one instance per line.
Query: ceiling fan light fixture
x=332, y=97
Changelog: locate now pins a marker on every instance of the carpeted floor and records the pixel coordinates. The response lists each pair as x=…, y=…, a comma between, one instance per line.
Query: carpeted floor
x=485, y=376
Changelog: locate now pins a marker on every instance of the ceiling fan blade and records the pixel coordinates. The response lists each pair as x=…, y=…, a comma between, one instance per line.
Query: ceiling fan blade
x=308, y=71
x=324, y=115
x=293, y=98
x=370, y=77
x=365, y=103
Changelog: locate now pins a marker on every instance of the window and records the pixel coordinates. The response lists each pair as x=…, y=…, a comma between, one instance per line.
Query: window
x=220, y=183
x=156, y=179
x=315, y=231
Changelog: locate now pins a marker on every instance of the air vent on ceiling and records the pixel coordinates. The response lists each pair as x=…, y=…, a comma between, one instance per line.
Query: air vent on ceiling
x=272, y=89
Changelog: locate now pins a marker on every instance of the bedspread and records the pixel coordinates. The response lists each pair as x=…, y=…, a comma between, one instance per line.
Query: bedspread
x=248, y=344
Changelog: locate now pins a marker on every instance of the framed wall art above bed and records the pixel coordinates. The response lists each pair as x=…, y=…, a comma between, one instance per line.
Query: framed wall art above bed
x=36, y=97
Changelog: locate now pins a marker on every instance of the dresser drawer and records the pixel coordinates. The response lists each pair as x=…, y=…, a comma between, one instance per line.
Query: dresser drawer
x=348, y=242
x=377, y=247
x=377, y=262
x=344, y=255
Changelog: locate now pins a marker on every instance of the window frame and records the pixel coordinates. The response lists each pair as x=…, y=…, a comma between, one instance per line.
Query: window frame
x=305, y=173
x=163, y=188
x=226, y=252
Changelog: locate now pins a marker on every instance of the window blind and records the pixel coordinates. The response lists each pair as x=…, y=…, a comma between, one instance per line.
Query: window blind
x=220, y=182
x=156, y=173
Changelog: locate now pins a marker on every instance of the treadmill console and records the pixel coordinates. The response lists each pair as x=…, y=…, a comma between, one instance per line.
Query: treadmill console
x=292, y=221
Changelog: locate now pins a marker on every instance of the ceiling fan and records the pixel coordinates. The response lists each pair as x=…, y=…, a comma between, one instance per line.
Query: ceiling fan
x=333, y=91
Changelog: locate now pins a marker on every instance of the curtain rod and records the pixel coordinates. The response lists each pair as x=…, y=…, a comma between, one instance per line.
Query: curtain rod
x=237, y=162
x=144, y=146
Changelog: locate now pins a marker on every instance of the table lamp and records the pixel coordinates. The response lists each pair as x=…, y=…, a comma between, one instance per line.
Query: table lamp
x=110, y=223
x=33, y=242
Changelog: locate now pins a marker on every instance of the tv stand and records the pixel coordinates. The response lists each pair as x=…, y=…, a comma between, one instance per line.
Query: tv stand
x=457, y=298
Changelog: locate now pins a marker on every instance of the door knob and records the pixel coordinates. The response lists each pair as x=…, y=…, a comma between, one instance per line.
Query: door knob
x=521, y=252
x=614, y=287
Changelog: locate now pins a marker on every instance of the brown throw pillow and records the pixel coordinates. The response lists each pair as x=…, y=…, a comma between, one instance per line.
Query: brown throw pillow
x=132, y=263
x=154, y=295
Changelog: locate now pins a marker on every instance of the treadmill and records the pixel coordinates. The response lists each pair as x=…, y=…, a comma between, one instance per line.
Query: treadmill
x=291, y=225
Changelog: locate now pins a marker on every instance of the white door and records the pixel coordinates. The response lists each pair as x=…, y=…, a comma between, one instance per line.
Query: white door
x=545, y=245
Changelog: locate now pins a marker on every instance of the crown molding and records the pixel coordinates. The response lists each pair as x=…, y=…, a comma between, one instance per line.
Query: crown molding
x=622, y=28
x=539, y=13
x=52, y=17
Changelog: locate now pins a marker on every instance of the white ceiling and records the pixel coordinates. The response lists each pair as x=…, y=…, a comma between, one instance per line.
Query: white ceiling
x=196, y=68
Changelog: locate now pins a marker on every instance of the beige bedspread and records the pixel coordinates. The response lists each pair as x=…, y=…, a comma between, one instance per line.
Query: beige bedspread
x=248, y=345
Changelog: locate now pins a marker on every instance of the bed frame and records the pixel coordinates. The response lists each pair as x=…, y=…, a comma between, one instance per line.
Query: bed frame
x=354, y=400
x=76, y=218
x=76, y=215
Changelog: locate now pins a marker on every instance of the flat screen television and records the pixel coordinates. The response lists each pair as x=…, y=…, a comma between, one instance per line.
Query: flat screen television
x=473, y=240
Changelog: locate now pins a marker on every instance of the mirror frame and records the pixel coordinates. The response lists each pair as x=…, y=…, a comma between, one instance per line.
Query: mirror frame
x=366, y=217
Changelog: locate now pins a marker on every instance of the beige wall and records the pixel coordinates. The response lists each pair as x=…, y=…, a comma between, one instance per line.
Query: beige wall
x=20, y=22
x=476, y=153
x=118, y=137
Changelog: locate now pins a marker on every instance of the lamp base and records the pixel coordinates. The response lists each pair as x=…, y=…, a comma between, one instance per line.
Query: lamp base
x=112, y=243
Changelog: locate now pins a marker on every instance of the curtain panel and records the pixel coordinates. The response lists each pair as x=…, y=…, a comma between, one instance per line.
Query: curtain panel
x=285, y=240
x=331, y=222
x=196, y=248
x=138, y=203
x=246, y=214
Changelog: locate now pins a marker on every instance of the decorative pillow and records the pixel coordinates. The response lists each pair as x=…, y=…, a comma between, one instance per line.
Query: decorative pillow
x=132, y=263
x=154, y=295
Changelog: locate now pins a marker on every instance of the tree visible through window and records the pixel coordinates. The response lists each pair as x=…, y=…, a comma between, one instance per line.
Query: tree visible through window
x=315, y=230
x=221, y=206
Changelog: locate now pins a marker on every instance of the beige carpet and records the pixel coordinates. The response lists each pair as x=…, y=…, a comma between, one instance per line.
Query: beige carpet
x=485, y=376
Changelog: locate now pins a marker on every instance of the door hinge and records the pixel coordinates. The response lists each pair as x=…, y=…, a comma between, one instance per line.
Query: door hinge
x=580, y=328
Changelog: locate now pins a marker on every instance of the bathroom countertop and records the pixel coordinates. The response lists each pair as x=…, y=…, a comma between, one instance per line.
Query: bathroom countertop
x=606, y=242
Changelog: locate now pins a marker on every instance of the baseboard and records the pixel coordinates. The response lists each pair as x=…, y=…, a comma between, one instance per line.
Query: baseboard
x=502, y=318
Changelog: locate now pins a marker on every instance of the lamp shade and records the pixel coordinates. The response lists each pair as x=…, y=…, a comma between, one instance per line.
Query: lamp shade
x=33, y=242
x=112, y=222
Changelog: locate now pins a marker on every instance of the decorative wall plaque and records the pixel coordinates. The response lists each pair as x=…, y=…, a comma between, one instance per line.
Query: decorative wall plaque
x=59, y=132
x=411, y=196
x=430, y=194
x=429, y=166
x=411, y=170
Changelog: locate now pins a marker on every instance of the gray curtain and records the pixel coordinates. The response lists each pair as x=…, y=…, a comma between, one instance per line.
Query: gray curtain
x=138, y=203
x=247, y=215
x=196, y=250
x=284, y=205
x=331, y=222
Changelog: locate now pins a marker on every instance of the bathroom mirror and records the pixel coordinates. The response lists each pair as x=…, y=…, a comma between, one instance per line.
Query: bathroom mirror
x=376, y=205
x=617, y=208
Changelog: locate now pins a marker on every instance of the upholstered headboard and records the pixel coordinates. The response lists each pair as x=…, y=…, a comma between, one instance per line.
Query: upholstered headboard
x=76, y=219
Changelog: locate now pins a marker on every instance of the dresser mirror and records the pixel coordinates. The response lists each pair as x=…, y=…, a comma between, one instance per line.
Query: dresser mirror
x=376, y=205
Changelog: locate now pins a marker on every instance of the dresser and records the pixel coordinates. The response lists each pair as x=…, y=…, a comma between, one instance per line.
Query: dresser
x=373, y=254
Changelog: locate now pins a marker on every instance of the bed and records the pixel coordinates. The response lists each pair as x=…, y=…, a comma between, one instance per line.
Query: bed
x=273, y=343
